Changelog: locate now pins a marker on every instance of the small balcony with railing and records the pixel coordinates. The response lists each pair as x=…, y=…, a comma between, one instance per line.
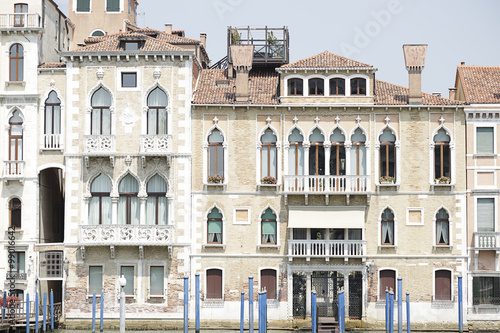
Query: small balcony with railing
x=126, y=234
x=486, y=241
x=52, y=142
x=20, y=21
x=14, y=170
x=15, y=276
x=99, y=146
x=326, y=249
x=155, y=145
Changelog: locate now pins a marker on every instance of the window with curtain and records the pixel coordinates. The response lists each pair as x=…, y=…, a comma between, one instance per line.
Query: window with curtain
x=15, y=213
x=156, y=283
x=15, y=139
x=486, y=290
x=484, y=140
x=358, y=153
x=215, y=227
x=268, y=282
x=295, y=87
x=316, y=153
x=387, y=281
x=95, y=279
x=52, y=121
x=442, y=285
x=485, y=214
x=157, y=112
x=19, y=19
x=156, y=203
x=83, y=5
x=100, y=119
x=337, y=86
x=112, y=5
x=442, y=227
x=215, y=154
x=387, y=224
x=358, y=86
x=268, y=154
x=296, y=153
x=16, y=63
x=269, y=227
x=316, y=87
x=100, y=201
x=337, y=153
x=214, y=284
x=128, y=202
x=129, y=273
x=387, y=154
x=442, y=164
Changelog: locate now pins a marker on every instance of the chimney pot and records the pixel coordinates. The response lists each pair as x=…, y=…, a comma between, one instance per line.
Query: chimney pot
x=168, y=28
x=462, y=63
x=438, y=94
x=203, y=40
x=414, y=61
x=453, y=93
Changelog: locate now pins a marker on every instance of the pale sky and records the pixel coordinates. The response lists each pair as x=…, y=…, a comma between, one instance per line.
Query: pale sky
x=370, y=31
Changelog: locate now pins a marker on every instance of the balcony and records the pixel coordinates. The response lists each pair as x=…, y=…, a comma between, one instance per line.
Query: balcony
x=14, y=170
x=486, y=240
x=52, y=142
x=15, y=276
x=99, y=146
x=155, y=145
x=14, y=21
x=326, y=249
x=126, y=235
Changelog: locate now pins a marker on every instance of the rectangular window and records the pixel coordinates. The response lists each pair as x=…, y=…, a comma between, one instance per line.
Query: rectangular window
x=268, y=282
x=442, y=284
x=128, y=272
x=299, y=233
x=214, y=284
x=486, y=290
x=113, y=5
x=387, y=281
x=83, y=5
x=16, y=269
x=19, y=20
x=131, y=46
x=95, y=279
x=484, y=140
x=129, y=80
x=414, y=216
x=156, y=280
x=241, y=216
x=485, y=214
x=51, y=264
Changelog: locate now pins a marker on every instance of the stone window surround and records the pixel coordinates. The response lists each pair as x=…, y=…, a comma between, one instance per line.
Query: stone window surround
x=305, y=84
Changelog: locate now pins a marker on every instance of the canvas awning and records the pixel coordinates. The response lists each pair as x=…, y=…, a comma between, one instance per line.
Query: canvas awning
x=326, y=217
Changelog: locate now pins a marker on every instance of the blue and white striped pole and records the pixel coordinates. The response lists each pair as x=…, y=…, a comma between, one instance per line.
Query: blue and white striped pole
x=197, y=301
x=460, y=306
x=313, y=312
x=27, y=313
x=408, y=312
x=242, y=312
x=186, y=304
x=400, y=304
x=101, y=324
x=250, y=304
x=93, y=312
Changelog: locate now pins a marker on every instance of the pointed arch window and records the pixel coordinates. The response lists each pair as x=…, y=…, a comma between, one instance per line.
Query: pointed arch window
x=269, y=227
x=100, y=120
x=296, y=153
x=442, y=160
x=128, y=202
x=214, y=226
x=52, y=121
x=442, y=227
x=316, y=153
x=358, y=153
x=15, y=213
x=16, y=63
x=156, y=204
x=268, y=154
x=15, y=144
x=387, y=225
x=387, y=154
x=157, y=112
x=215, y=154
x=337, y=153
x=100, y=201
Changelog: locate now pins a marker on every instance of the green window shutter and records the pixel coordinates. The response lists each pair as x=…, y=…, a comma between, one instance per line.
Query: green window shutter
x=484, y=140
x=83, y=6
x=113, y=6
x=269, y=228
x=215, y=227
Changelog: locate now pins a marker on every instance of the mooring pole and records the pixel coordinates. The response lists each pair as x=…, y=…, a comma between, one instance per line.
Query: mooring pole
x=264, y=305
x=400, y=304
x=386, y=310
x=37, y=305
x=408, y=312
x=391, y=311
x=242, y=312
x=250, y=304
x=259, y=301
x=4, y=304
x=186, y=303
x=93, y=312
x=460, y=306
x=51, y=310
x=27, y=313
x=313, y=312
x=197, y=301
x=101, y=323
x=44, y=326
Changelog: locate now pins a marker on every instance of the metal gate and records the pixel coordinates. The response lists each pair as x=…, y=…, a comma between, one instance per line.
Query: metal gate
x=326, y=285
x=299, y=294
x=355, y=295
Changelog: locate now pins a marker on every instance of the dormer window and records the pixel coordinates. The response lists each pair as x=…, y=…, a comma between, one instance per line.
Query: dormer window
x=131, y=46
x=295, y=87
x=358, y=86
x=337, y=86
x=316, y=87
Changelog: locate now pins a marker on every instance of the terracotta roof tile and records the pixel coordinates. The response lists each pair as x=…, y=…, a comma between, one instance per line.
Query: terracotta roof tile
x=481, y=84
x=53, y=65
x=160, y=35
x=391, y=94
x=112, y=43
x=263, y=87
x=325, y=60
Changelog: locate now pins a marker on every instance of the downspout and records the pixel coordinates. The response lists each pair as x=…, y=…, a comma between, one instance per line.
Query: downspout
x=59, y=33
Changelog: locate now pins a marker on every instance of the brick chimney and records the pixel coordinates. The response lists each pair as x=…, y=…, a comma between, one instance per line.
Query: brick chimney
x=453, y=93
x=203, y=40
x=168, y=28
x=414, y=62
x=242, y=59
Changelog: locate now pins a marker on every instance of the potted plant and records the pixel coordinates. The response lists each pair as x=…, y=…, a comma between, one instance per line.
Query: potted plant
x=386, y=180
x=215, y=179
x=268, y=180
x=443, y=180
x=275, y=46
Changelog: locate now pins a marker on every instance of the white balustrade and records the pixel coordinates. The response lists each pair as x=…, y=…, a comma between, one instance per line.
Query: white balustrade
x=156, y=144
x=99, y=144
x=326, y=248
x=13, y=169
x=326, y=184
x=52, y=141
x=128, y=234
x=20, y=20
x=486, y=240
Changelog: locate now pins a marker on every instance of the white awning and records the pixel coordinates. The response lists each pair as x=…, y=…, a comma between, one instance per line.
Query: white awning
x=326, y=217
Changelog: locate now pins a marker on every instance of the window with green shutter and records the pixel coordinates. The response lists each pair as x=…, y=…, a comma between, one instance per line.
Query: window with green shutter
x=83, y=5
x=215, y=227
x=484, y=140
x=113, y=5
x=268, y=227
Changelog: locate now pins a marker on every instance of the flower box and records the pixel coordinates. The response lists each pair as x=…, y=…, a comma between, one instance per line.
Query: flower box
x=269, y=180
x=386, y=180
x=215, y=179
x=442, y=180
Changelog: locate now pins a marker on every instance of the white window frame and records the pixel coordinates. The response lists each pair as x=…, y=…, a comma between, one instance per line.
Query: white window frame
x=136, y=277
x=205, y=229
x=316, y=76
x=205, y=151
x=165, y=280
x=395, y=236
x=347, y=87
x=112, y=109
x=91, y=34
x=421, y=210
x=258, y=153
x=432, y=162
x=495, y=205
x=452, y=296
x=62, y=119
x=206, y=284
x=135, y=70
x=118, y=12
x=75, y=7
x=450, y=229
x=259, y=223
x=277, y=280
x=488, y=125
x=248, y=209
x=395, y=282
x=397, y=147
x=98, y=292
x=305, y=85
